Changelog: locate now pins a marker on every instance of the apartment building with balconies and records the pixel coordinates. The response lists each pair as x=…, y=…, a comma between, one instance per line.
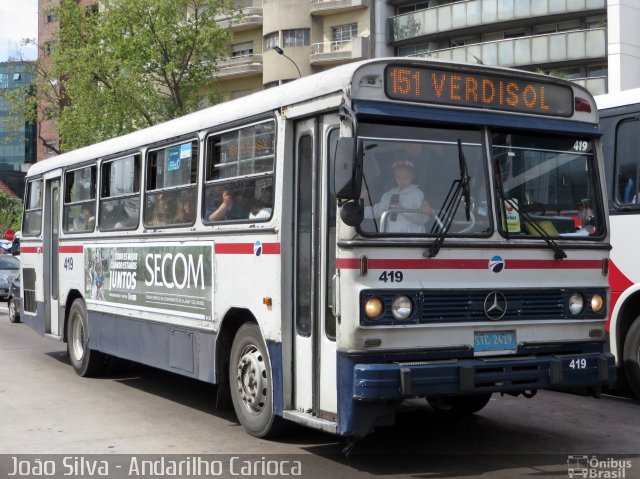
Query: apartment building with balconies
x=313, y=35
x=592, y=42
x=566, y=38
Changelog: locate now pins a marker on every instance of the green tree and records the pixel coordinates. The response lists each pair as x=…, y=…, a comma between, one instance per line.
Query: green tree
x=10, y=213
x=133, y=63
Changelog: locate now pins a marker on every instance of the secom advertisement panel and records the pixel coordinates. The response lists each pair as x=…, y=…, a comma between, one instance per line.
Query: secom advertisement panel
x=169, y=276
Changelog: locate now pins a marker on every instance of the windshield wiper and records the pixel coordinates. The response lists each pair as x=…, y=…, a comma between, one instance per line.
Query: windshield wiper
x=459, y=190
x=557, y=250
x=464, y=179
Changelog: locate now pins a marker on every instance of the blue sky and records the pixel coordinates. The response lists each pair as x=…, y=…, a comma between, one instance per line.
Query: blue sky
x=18, y=20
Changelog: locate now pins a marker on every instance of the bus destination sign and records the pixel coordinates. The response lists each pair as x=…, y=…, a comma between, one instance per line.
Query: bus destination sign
x=476, y=90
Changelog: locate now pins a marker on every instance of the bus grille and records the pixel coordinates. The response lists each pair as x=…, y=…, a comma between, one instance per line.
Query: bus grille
x=447, y=306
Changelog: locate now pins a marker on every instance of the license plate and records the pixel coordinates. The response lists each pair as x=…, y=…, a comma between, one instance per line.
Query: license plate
x=494, y=341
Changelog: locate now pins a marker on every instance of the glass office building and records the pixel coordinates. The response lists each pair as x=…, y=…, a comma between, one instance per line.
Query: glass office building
x=17, y=150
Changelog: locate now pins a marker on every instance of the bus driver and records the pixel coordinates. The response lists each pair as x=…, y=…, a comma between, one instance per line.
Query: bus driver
x=404, y=196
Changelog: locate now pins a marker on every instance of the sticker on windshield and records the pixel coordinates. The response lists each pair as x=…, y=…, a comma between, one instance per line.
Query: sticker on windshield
x=512, y=215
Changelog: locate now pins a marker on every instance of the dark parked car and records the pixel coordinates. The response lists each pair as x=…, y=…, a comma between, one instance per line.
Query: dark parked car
x=9, y=266
x=15, y=302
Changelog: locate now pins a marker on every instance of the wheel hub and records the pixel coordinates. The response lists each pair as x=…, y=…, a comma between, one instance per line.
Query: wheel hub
x=77, y=340
x=252, y=379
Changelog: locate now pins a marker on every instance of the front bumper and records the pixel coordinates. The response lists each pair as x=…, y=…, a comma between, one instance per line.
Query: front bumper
x=390, y=381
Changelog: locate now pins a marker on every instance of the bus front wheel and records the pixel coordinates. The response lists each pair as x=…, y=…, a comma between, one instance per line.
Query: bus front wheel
x=631, y=357
x=460, y=405
x=251, y=383
x=14, y=314
x=85, y=361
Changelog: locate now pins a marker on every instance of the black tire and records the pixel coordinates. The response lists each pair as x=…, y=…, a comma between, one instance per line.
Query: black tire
x=631, y=357
x=85, y=361
x=251, y=384
x=460, y=405
x=14, y=311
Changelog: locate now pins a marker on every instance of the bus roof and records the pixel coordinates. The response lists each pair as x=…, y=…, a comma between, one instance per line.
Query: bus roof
x=323, y=83
x=621, y=98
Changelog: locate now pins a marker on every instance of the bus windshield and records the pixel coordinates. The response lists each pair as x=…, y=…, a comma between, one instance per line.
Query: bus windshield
x=547, y=185
x=408, y=175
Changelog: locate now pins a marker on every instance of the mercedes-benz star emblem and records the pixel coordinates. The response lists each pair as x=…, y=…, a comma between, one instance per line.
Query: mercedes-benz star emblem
x=495, y=305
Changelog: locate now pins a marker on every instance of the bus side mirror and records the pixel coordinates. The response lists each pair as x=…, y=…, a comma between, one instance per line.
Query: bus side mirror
x=352, y=212
x=348, y=169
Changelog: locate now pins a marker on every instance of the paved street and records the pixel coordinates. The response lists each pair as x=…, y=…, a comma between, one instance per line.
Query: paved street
x=45, y=408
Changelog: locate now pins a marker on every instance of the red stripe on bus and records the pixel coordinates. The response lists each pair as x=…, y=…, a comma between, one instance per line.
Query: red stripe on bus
x=30, y=249
x=553, y=264
x=245, y=248
x=71, y=249
x=619, y=283
x=354, y=263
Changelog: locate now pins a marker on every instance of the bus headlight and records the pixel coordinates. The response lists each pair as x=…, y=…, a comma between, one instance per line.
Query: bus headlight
x=576, y=303
x=597, y=303
x=402, y=307
x=373, y=308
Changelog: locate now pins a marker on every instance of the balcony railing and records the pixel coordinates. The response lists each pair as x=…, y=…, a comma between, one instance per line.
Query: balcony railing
x=356, y=48
x=534, y=50
x=320, y=7
x=251, y=16
x=245, y=65
x=474, y=13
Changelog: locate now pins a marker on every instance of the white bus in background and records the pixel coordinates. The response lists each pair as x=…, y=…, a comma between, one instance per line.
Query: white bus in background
x=620, y=124
x=384, y=230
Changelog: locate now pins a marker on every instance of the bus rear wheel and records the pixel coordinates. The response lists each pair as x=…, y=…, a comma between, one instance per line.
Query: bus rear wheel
x=460, y=405
x=251, y=383
x=85, y=361
x=631, y=357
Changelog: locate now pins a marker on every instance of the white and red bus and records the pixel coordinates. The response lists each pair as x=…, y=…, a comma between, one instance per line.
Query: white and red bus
x=388, y=229
x=620, y=124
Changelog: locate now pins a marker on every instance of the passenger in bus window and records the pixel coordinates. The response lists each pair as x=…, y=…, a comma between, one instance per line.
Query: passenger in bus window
x=186, y=211
x=225, y=205
x=404, y=196
x=163, y=210
x=229, y=204
x=262, y=205
x=129, y=216
x=84, y=222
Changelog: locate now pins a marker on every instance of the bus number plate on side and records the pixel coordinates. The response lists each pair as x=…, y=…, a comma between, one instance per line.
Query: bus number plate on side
x=494, y=341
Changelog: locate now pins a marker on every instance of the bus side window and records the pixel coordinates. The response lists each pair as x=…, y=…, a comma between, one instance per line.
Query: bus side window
x=239, y=175
x=627, y=161
x=171, y=181
x=32, y=221
x=80, y=200
x=120, y=194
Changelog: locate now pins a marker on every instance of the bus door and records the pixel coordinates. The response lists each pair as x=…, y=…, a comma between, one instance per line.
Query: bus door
x=314, y=269
x=50, y=256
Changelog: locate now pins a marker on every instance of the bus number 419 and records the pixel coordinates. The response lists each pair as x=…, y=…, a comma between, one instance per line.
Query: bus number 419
x=578, y=364
x=68, y=263
x=392, y=276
